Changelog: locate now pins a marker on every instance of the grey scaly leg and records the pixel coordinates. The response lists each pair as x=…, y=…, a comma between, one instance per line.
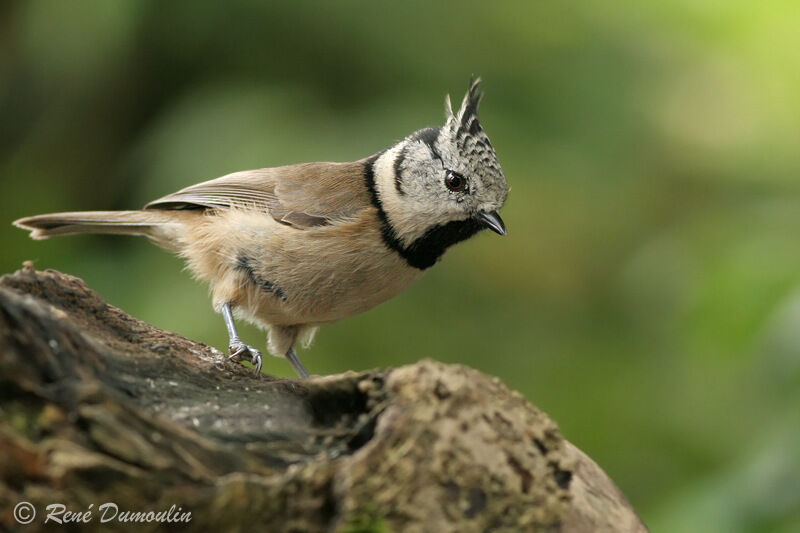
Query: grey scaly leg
x=298, y=366
x=236, y=346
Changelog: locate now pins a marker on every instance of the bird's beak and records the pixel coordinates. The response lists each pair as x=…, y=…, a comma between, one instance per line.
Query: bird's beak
x=493, y=221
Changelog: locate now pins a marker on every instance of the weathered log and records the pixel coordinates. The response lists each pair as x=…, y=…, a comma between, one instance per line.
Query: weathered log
x=97, y=406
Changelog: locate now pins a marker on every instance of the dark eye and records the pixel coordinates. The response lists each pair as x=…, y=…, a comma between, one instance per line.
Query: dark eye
x=455, y=181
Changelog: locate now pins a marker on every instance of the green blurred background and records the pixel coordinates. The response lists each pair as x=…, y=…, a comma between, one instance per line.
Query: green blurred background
x=648, y=294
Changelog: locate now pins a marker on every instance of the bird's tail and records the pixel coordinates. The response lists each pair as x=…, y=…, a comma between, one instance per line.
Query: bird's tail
x=158, y=225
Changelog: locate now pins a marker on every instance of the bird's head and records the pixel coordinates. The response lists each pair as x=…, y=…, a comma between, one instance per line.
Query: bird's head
x=439, y=186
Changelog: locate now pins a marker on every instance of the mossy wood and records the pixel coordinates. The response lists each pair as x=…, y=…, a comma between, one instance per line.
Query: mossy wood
x=97, y=406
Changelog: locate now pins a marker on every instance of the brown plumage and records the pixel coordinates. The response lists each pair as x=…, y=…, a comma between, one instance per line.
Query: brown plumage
x=293, y=247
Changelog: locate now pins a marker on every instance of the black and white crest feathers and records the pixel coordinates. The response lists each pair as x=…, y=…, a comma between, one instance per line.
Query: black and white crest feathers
x=465, y=131
x=469, y=106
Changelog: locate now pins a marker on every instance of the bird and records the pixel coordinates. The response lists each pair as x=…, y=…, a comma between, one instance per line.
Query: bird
x=291, y=248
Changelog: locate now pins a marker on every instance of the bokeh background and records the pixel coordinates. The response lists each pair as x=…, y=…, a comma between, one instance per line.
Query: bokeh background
x=648, y=293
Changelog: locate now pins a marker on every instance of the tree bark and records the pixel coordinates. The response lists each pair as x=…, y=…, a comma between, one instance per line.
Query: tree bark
x=97, y=407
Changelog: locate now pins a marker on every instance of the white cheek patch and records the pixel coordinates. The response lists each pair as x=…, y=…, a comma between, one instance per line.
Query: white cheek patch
x=417, y=209
x=399, y=208
x=390, y=199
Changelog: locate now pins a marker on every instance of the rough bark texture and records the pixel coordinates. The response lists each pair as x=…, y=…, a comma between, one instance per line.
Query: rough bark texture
x=97, y=406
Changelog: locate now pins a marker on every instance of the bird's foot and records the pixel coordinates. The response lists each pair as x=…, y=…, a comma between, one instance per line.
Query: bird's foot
x=240, y=350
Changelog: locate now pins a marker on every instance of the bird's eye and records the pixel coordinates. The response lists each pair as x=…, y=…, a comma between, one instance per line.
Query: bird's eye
x=455, y=181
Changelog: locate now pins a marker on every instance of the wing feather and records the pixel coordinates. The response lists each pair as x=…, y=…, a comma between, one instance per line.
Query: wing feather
x=303, y=195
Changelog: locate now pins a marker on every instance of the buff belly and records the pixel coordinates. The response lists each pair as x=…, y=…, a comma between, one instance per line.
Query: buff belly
x=278, y=275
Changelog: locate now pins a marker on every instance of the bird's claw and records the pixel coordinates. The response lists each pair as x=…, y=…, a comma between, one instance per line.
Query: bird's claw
x=239, y=350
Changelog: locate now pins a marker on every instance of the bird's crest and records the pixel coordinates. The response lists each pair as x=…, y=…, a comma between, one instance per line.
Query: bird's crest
x=469, y=107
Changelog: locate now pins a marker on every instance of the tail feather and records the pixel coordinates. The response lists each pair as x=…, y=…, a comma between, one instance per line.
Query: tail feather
x=125, y=222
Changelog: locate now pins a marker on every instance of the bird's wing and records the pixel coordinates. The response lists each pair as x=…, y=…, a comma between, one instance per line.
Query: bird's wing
x=303, y=195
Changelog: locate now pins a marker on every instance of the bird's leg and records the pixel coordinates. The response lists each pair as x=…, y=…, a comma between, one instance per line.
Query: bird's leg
x=298, y=366
x=237, y=348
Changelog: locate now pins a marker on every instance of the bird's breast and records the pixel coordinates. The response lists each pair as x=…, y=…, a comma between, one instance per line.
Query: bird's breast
x=288, y=276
